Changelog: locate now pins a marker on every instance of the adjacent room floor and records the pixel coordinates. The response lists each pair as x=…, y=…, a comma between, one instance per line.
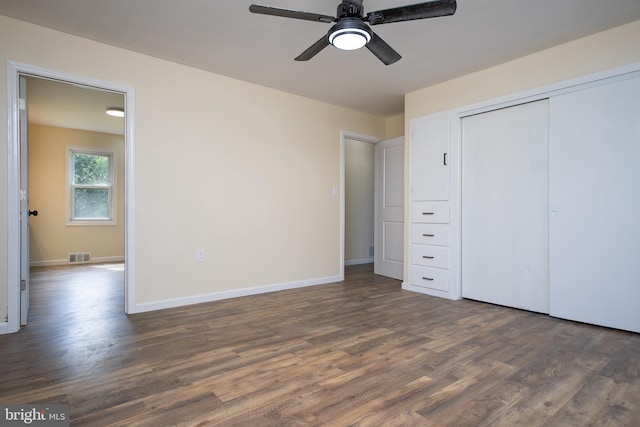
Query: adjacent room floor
x=360, y=352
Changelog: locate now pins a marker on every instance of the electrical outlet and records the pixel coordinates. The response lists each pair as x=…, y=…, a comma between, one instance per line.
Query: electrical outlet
x=200, y=255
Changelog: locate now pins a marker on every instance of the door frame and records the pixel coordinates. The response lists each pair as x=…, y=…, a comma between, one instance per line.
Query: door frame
x=357, y=137
x=14, y=71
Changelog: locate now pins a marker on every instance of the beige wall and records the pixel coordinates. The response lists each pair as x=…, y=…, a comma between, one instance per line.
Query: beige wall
x=602, y=51
x=394, y=126
x=359, y=200
x=609, y=49
x=242, y=171
x=51, y=239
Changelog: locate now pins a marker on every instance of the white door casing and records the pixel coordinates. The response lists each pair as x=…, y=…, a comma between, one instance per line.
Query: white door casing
x=24, y=204
x=345, y=135
x=14, y=71
x=389, y=213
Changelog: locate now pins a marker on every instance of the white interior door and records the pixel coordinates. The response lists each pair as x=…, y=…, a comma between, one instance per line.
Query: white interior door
x=505, y=207
x=595, y=205
x=389, y=217
x=24, y=205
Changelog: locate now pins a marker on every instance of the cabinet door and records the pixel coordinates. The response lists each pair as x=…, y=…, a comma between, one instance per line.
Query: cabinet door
x=595, y=205
x=505, y=207
x=429, y=148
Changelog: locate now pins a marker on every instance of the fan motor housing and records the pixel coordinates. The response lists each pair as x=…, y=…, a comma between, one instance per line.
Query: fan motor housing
x=350, y=8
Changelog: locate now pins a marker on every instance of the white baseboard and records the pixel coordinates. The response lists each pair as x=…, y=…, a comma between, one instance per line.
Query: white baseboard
x=4, y=328
x=55, y=262
x=427, y=291
x=359, y=261
x=235, y=293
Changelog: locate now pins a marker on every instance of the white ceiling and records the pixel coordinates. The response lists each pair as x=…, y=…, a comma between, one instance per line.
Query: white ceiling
x=221, y=36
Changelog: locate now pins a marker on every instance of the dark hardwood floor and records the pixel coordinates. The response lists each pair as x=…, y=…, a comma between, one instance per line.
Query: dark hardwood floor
x=360, y=352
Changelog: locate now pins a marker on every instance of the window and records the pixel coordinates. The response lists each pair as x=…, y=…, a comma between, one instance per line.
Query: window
x=91, y=199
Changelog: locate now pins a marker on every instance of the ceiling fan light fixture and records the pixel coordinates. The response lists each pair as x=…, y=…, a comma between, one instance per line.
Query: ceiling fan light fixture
x=349, y=34
x=115, y=111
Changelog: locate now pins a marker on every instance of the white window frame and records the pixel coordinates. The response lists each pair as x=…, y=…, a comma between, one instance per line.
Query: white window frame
x=71, y=150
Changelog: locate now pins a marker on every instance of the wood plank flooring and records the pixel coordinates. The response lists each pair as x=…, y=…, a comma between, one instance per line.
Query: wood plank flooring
x=361, y=352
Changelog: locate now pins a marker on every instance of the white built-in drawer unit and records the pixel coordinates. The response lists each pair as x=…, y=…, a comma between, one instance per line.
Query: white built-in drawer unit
x=429, y=212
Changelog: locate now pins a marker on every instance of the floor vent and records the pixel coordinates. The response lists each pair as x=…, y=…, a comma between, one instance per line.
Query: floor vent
x=79, y=258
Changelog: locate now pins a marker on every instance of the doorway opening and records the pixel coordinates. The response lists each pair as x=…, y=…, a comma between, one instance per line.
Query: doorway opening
x=52, y=133
x=359, y=206
x=366, y=230
x=378, y=218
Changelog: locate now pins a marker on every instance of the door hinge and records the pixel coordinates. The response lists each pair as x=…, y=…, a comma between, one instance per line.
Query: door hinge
x=22, y=104
x=23, y=285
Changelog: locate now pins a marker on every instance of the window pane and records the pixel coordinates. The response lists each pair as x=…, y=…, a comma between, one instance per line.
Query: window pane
x=91, y=203
x=90, y=169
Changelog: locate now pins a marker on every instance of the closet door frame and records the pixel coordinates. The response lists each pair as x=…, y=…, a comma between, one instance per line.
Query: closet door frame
x=455, y=152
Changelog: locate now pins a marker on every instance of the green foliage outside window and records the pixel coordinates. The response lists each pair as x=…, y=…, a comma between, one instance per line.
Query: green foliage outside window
x=90, y=169
x=91, y=186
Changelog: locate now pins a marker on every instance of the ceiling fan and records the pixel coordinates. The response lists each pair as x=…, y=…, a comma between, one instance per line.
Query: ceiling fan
x=351, y=31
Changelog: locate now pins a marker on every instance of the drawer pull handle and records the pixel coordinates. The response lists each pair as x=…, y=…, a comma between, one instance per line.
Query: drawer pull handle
x=428, y=278
x=427, y=213
x=427, y=257
x=428, y=235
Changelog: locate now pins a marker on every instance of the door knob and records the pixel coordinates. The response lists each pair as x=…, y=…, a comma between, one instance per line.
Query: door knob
x=34, y=213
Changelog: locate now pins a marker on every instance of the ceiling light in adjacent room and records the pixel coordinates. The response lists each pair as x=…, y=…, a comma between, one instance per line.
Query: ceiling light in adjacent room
x=115, y=111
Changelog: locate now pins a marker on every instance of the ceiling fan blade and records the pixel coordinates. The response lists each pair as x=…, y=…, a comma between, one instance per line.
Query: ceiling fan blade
x=382, y=50
x=314, y=49
x=431, y=9
x=274, y=11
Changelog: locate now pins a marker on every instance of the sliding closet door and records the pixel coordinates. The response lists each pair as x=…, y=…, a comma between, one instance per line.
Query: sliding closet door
x=595, y=205
x=505, y=194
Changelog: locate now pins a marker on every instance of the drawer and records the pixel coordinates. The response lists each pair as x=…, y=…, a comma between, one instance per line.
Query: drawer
x=434, y=212
x=430, y=234
x=431, y=278
x=430, y=255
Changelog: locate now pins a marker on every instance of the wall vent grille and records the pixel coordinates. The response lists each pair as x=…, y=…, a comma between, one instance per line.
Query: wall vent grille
x=79, y=258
